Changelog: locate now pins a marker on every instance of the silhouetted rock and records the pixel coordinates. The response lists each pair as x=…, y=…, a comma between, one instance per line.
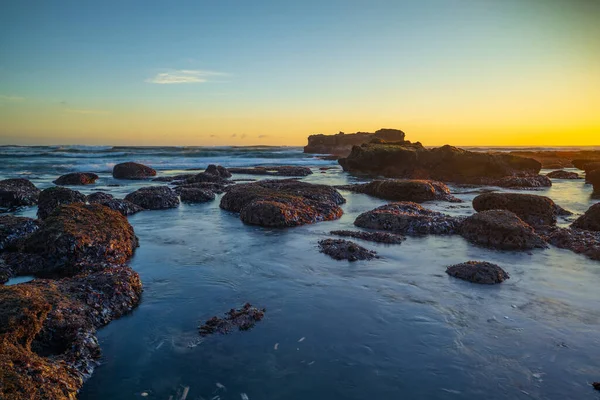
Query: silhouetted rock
x=581, y=162
x=593, y=177
x=14, y=229
x=342, y=143
x=501, y=230
x=447, y=164
x=55, y=196
x=218, y=171
x=340, y=249
x=562, y=174
x=534, y=210
x=193, y=195
x=414, y=190
x=154, y=198
x=132, y=170
x=591, y=166
x=577, y=240
x=380, y=237
x=478, y=272
x=77, y=178
x=18, y=192
x=408, y=218
x=560, y=158
x=283, y=203
x=243, y=319
x=125, y=207
x=589, y=221
x=282, y=170
x=48, y=345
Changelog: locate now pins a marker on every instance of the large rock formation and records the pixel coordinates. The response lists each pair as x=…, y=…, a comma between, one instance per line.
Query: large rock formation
x=132, y=170
x=533, y=209
x=341, y=144
x=590, y=221
x=77, y=178
x=447, y=164
x=404, y=190
x=17, y=192
x=55, y=196
x=283, y=203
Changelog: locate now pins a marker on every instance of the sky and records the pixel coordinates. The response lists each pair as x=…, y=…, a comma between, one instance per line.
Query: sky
x=460, y=72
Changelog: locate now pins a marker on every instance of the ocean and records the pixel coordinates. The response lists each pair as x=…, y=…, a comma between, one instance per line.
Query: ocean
x=397, y=327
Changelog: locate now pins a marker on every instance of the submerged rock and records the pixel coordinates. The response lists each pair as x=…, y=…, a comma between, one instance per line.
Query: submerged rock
x=500, y=229
x=340, y=249
x=408, y=218
x=282, y=170
x=132, y=170
x=55, y=196
x=380, y=237
x=77, y=178
x=533, y=209
x=154, y=198
x=15, y=229
x=17, y=193
x=243, y=319
x=283, y=203
x=589, y=221
x=562, y=174
x=414, y=190
x=577, y=240
x=48, y=345
x=478, y=272
x=193, y=195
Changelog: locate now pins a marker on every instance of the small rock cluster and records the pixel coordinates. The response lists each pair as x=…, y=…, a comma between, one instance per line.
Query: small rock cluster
x=243, y=319
x=340, y=249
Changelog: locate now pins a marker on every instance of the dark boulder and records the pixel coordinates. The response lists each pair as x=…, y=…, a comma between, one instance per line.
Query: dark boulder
x=340, y=249
x=77, y=178
x=15, y=229
x=132, y=170
x=218, y=171
x=97, y=197
x=534, y=210
x=214, y=187
x=154, y=198
x=408, y=218
x=283, y=203
x=55, y=196
x=282, y=170
x=590, y=221
x=593, y=177
x=518, y=182
x=501, y=230
x=243, y=319
x=414, y=190
x=380, y=237
x=478, y=272
x=18, y=192
x=591, y=166
x=562, y=174
x=125, y=207
x=192, y=195
x=577, y=240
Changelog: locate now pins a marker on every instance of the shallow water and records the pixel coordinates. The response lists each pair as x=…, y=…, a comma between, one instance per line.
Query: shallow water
x=390, y=328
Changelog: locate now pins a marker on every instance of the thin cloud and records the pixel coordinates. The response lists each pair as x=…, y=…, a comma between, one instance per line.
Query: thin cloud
x=11, y=99
x=85, y=111
x=243, y=136
x=183, y=76
x=234, y=135
x=262, y=136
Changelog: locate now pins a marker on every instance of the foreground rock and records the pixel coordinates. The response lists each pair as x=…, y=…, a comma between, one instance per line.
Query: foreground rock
x=283, y=170
x=15, y=229
x=77, y=178
x=132, y=170
x=17, y=193
x=380, y=237
x=283, y=203
x=562, y=174
x=55, y=196
x=243, y=319
x=577, y=240
x=446, y=164
x=414, y=190
x=534, y=210
x=154, y=198
x=478, y=272
x=195, y=195
x=340, y=249
x=408, y=218
x=589, y=221
x=342, y=143
x=500, y=229
x=125, y=207
x=593, y=177
x=48, y=345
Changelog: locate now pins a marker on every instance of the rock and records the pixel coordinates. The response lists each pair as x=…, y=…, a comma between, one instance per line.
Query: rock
x=207, y=186
x=590, y=221
x=596, y=385
x=342, y=143
x=562, y=174
x=282, y=170
x=380, y=237
x=48, y=345
x=132, y=170
x=243, y=319
x=591, y=166
x=446, y=164
x=192, y=195
x=98, y=197
x=17, y=193
x=15, y=229
x=478, y=272
x=581, y=162
x=408, y=218
x=593, y=177
x=417, y=191
x=559, y=158
x=501, y=230
x=55, y=196
x=340, y=249
x=173, y=178
x=534, y=210
x=218, y=171
x=77, y=237
x=154, y=198
x=77, y=178
x=283, y=203
x=577, y=240
x=125, y=207
x=518, y=182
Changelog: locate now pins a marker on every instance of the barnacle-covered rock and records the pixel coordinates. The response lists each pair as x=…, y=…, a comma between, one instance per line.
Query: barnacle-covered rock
x=415, y=190
x=533, y=209
x=243, y=319
x=77, y=178
x=125, y=207
x=340, y=249
x=589, y=221
x=478, y=272
x=195, y=195
x=562, y=174
x=15, y=229
x=55, y=196
x=154, y=198
x=380, y=237
x=17, y=192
